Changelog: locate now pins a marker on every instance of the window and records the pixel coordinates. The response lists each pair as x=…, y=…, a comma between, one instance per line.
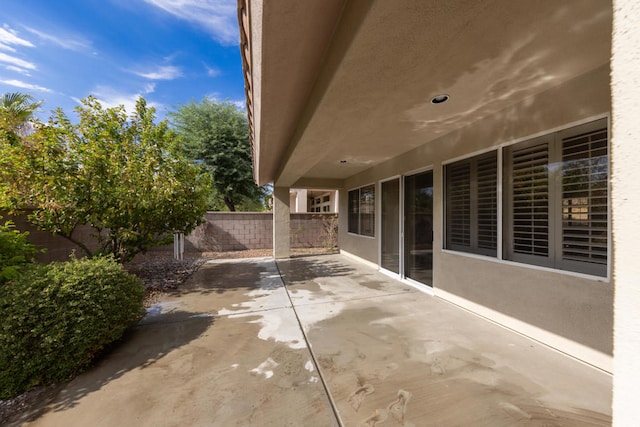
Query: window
x=528, y=214
x=556, y=194
x=472, y=205
x=555, y=209
x=362, y=211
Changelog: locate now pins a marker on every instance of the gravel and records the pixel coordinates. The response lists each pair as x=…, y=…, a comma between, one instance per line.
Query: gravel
x=160, y=272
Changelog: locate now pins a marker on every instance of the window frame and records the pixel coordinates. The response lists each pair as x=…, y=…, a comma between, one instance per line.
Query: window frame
x=474, y=205
x=598, y=247
x=355, y=220
x=555, y=166
x=508, y=224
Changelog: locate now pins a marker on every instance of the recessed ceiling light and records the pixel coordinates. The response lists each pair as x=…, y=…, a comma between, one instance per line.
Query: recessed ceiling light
x=440, y=99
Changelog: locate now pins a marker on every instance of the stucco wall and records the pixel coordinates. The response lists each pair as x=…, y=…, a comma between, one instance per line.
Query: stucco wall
x=563, y=310
x=625, y=82
x=570, y=312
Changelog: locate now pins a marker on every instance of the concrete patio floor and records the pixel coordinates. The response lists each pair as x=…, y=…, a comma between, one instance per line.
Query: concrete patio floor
x=324, y=341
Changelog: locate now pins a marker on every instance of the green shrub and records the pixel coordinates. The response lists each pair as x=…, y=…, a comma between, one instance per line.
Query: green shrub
x=57, y=318
x=15, y=251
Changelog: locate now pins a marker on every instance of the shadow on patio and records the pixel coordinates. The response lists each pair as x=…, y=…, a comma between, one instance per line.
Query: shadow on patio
x=328, y=342
x=392, y=355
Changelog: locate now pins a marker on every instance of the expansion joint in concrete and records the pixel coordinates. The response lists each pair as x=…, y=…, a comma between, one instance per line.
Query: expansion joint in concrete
x=332, y=403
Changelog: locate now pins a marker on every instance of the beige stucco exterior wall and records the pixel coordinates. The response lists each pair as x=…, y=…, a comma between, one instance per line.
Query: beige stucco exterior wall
x=281, y=227
x=570, y=312
x=298, y=200
x=625, y=83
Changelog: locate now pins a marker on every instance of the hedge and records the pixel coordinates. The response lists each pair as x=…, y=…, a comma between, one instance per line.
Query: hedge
x=15, y=251
x=57, y=318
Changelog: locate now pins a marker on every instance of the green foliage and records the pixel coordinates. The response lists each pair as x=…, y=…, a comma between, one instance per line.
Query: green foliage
x=216, y=135
x=57, y=318
x=125, y=177
x=216, y=202
x=17, y=109
x=15, y=251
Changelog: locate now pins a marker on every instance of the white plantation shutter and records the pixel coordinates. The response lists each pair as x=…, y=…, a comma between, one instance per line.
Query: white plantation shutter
x=459, y=206
x=557, y=200
x=487, y=196
x=530, y=200
x=584, y=199
x=471, y=204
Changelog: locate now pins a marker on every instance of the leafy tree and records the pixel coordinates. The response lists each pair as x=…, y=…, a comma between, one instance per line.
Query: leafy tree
x=216, y=135
x=123, y=177
x=17, y=109
x=15, y=251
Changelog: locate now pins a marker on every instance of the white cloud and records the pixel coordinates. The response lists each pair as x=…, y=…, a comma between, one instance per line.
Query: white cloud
x=212, y=72
x=218, y=17
x=163, y=72
x=71, y=42
x=5, y=47
x=149, y=88
x=214, y=96
x=18, y=70
x=17, y=61
x=23, y=85
x=241, y=104
x=110, y=97
x=10, y=37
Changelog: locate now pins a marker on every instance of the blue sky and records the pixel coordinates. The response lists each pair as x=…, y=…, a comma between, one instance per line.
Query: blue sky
x=168, y=51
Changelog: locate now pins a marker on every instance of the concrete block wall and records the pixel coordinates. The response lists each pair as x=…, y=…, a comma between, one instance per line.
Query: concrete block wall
x=221, y=231
x=57, y=248
x=233, y=231
x=309, y=230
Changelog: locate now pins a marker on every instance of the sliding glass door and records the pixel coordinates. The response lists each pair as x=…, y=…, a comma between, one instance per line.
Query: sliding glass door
x=406, y=239
x=418, y=227
x=390, y=235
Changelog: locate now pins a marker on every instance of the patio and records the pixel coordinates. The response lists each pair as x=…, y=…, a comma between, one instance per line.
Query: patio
x=319, y=341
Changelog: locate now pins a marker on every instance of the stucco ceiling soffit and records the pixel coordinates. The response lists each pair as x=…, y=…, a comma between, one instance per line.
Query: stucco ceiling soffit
x=295, y=36
x=301, y=154
x=371, y=101
x=318, y=183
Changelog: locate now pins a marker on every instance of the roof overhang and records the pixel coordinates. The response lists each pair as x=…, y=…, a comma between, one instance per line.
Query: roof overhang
x=335, y=87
